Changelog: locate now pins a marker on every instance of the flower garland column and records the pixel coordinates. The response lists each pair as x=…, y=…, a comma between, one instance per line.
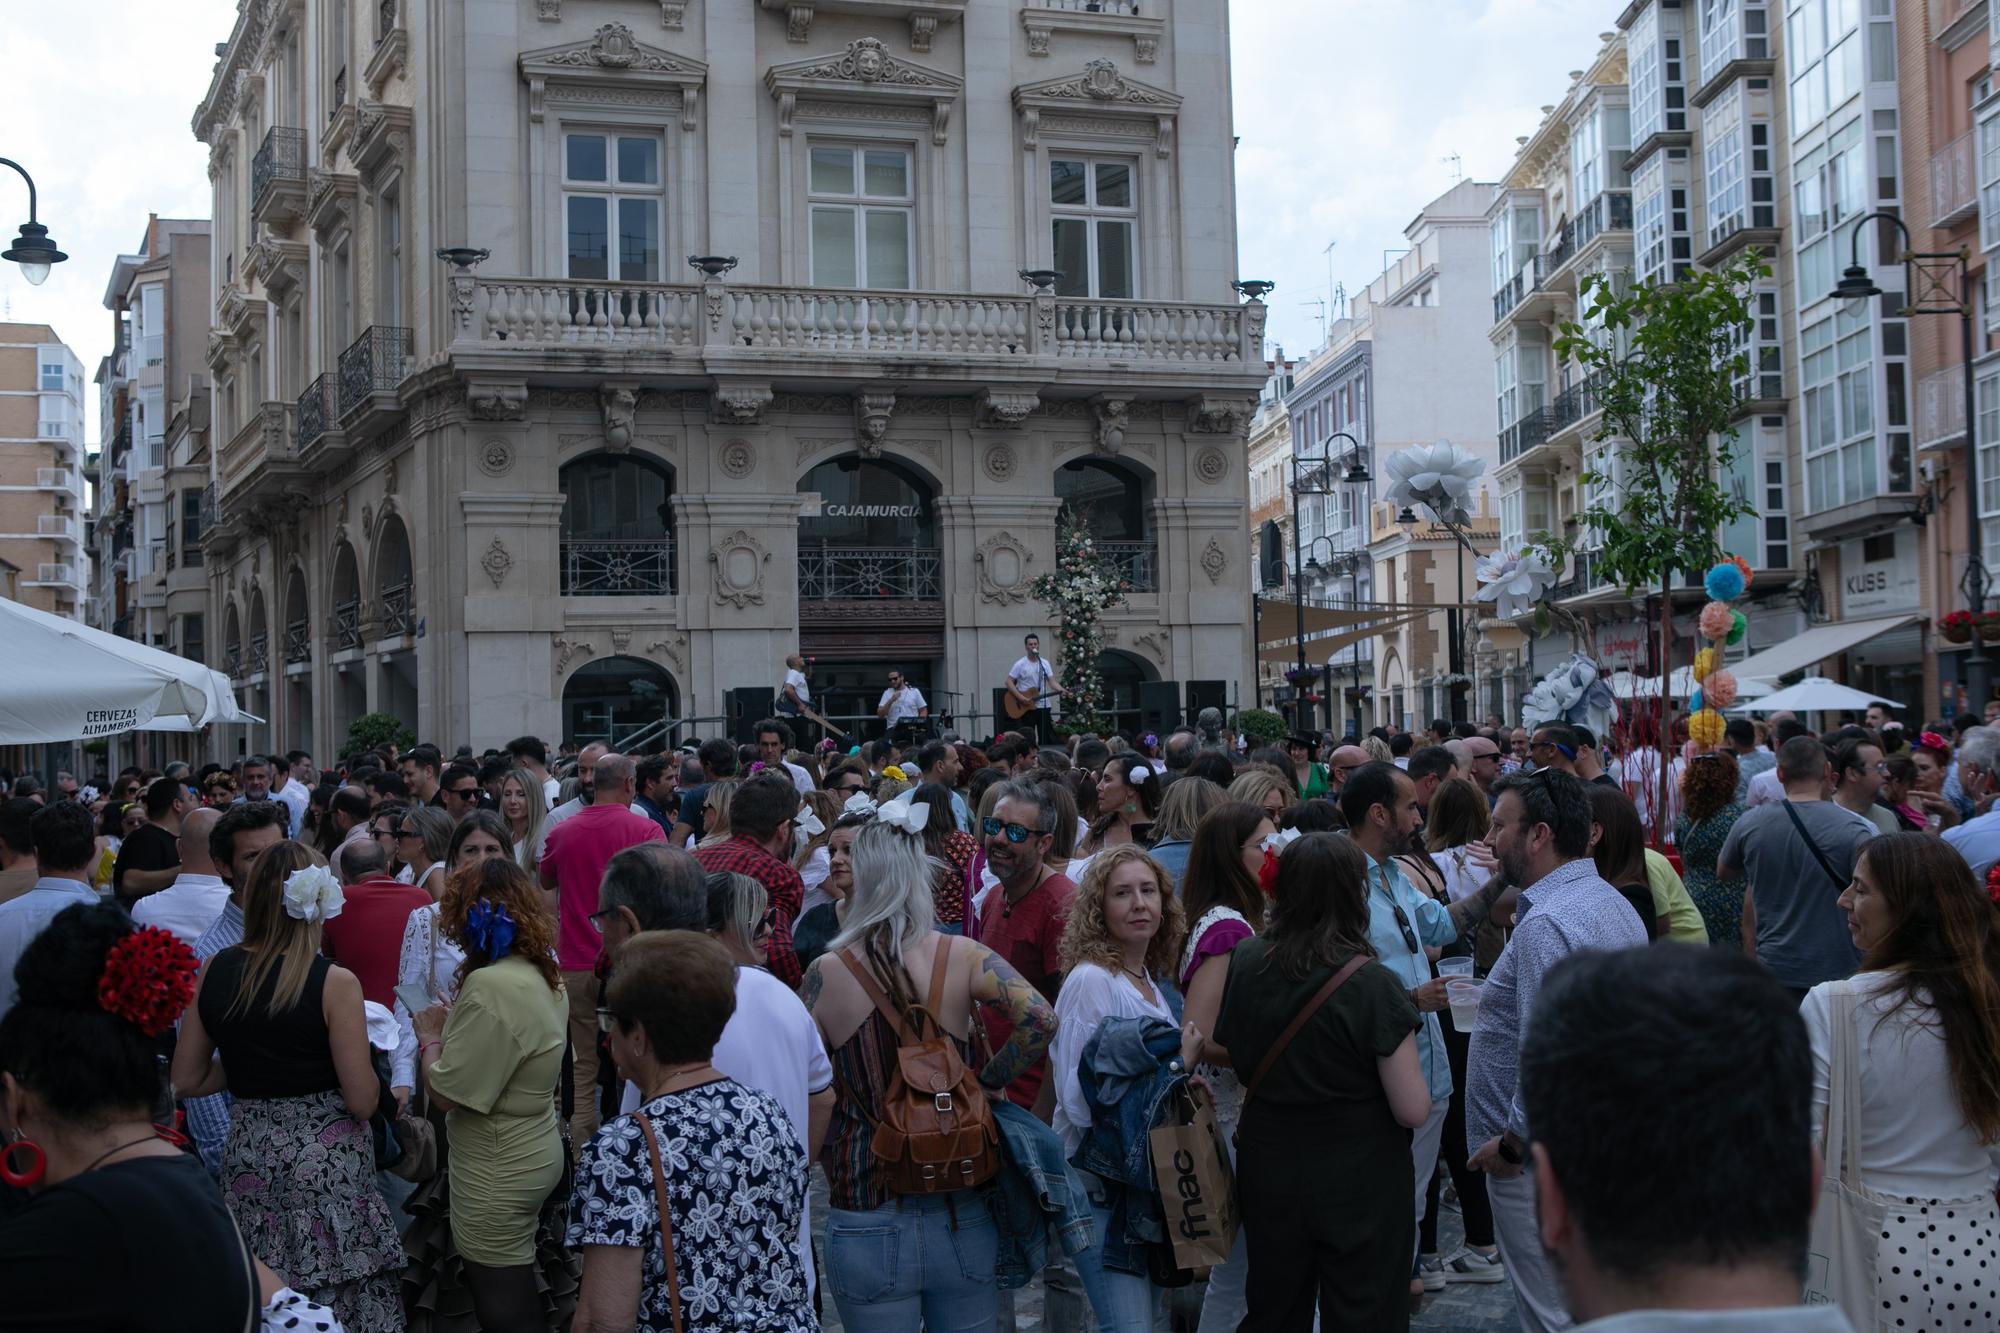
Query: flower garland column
x=1082, y=588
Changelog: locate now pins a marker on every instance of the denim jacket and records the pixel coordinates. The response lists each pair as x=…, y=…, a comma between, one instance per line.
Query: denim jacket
x=1130, y=1070
x=1037, y=1198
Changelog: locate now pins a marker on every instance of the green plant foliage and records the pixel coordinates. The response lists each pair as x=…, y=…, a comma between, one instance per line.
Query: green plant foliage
x=1261, y=725
x=372, y=729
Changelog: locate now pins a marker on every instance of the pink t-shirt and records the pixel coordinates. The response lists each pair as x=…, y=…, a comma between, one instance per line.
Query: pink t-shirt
x=577, y=851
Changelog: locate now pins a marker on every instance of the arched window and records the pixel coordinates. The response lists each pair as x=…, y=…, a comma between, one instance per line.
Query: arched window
x=1114, y=502
x=617, y=527
x=298, y=620
x=611, y=699
x=346, y=599
x=393, y=579
x=873, y=535
x=232, y=641
x=1122, y=675
x=260, y=636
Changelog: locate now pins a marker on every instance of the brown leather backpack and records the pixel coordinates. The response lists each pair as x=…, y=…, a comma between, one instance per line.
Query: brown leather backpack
x=936, y=1132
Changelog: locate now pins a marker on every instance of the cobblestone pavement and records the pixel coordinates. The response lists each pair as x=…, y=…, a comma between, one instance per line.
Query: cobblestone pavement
x=1465, y=1307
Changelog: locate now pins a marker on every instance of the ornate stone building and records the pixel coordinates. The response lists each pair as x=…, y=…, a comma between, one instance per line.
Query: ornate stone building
x=561, y=480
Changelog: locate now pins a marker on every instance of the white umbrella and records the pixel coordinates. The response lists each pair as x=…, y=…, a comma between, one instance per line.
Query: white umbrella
x=1627, y=685
x=1815, y=694
x=66, y=681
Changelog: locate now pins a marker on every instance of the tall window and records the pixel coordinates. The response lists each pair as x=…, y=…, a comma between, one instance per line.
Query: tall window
x=389, y=300
x=152, y=305
x=341, y=307
x=1649, y=216
x=52, y=374
x=1837, y=379
x=1989, y=182
x=1988, y=388
x=1096, y=227
x=1642, y=40
x=863, y=217
x=607, y=179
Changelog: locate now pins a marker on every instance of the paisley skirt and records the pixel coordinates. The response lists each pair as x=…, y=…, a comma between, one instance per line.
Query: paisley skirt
x=299, y=1176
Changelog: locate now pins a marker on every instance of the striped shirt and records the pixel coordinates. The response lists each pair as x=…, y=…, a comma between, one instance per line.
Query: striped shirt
x=208, y=1117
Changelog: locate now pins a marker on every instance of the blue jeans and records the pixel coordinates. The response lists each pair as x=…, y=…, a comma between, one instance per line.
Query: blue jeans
x=1124, y=1302
x=911, y=1261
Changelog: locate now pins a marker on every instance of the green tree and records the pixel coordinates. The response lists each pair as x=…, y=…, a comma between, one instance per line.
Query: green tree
x=372, y=729
x=1084, y=585
x=1262, y=726
x=1668, y=363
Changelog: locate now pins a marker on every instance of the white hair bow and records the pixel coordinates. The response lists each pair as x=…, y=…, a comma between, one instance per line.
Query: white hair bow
x=861, y=803
x=313, y=895
x=911, y=816
x=1276, y=842
x=808, y=823
x=1136, y=775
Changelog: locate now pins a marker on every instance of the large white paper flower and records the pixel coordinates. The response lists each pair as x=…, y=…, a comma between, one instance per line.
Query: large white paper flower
x=1574, y=692
x=1422, y=469
x=1513, y=580
x=313, y=895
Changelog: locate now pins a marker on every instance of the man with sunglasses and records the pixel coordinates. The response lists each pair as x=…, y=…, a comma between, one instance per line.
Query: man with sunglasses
x=1022, y=918
x=1380, y=803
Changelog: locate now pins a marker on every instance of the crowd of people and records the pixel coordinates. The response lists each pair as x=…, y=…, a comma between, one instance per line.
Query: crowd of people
x=513, y=1042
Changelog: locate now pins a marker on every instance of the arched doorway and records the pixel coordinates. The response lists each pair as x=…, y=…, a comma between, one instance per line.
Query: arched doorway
x=232, y=643
x=396, y=623
x=617, y=527
x=611, y=699
x=1116, y=503
x=258, y=672
x=348, y=683
x=1122, y=674
x=871, y=591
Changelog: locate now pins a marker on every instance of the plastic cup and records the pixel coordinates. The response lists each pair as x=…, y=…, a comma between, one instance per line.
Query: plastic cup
x=1464, y=999
x=1455, y=967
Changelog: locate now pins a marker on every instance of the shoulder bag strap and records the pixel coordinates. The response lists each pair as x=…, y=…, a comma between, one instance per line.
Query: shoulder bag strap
x=666, y=1217
x=1839, y=884
x=1334, y=983
x=1841, y=1150
x=875, y=993
x=940, y=962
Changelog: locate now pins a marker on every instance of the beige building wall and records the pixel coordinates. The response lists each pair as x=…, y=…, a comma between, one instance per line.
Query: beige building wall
x=41, y=461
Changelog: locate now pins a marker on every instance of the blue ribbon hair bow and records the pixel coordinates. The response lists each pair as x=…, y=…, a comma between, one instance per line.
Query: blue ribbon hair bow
x=491, y=927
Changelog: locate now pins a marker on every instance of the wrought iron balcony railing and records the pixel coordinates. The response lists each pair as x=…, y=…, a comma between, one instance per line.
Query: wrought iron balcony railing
x=347, y=624
x=397, y=617
x=232, y=660
x=373, y=363
x=1138, y=563
x=298, y=642
x=1525, y=434
x=281, y=158
x=385, y=20
x=314, y=416
x=593, y=568
x=259, y=655
x=846, y=573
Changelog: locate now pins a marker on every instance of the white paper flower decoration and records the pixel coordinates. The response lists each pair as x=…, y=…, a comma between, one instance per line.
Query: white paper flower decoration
x=1422, y=469
x=1574, y=692
x=1513, y=581
x=313, y=895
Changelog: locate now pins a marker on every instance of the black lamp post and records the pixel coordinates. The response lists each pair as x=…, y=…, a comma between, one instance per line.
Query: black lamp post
x=1356, y=475
x=32, y=249
x=1937, y=282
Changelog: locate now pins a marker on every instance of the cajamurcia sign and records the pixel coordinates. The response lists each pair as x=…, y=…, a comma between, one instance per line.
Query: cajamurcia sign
x=872, y=511
x=106, y=721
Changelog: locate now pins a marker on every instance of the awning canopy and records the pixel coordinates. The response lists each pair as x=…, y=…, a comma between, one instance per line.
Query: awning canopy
x=1324, y=648
x=66, y=681
x=1816, y=644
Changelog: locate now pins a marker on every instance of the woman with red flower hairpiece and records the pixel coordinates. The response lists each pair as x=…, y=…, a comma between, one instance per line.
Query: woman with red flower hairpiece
x=120, y=1229
x=1931, y=753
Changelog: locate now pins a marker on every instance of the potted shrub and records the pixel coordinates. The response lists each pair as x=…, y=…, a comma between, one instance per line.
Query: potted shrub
x=1987, y=625
x=1956, y=627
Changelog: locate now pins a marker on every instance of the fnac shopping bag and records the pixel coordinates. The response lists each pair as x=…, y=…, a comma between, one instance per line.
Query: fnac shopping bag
x=1197, y=1186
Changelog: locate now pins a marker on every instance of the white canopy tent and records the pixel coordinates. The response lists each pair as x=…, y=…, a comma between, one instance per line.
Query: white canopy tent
x=64, y=681
x=1627, y=685
x=1812, y=695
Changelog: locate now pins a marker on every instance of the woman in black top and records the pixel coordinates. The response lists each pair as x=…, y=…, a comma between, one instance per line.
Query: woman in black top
x=1323, y=1148
x=104, y=1225
x=299, y=1163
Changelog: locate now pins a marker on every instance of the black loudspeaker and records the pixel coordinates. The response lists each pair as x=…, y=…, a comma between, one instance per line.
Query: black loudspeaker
x=746, y=706
x=1206, y=694
x=1159, y=706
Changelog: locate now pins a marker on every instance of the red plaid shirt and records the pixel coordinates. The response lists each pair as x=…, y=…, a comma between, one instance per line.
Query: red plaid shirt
x=783, y=885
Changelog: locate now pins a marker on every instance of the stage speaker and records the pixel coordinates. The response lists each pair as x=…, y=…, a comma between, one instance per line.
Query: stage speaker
x=1206, y=694
x=746, y=706
x=1159, y=706
x=1001, y=722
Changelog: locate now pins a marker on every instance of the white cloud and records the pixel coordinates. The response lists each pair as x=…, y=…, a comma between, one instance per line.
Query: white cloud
x=1346, y=111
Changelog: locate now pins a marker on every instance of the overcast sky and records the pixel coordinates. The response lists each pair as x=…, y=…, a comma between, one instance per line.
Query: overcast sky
x=1347, y=112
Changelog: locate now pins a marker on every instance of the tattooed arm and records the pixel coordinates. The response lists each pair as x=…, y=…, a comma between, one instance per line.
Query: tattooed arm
x=996, y=984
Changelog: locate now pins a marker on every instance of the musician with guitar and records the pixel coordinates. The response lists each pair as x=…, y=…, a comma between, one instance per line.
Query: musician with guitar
x=795, y=701
x=1030, y=685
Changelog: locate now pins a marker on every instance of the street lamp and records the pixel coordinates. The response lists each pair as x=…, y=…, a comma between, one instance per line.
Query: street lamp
x=1322, y=466
x=32, y=249
x=1937, y=282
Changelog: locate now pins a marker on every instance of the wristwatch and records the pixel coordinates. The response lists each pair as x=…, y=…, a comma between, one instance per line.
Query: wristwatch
x=1508, y=1152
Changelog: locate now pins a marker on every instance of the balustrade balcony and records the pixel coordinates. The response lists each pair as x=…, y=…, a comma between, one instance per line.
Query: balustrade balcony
x=593, y=568
x=869, y=574
x=347, y=625
x=398, y=619
x=1954, y=182
x=298, y=642
x=1138, y=564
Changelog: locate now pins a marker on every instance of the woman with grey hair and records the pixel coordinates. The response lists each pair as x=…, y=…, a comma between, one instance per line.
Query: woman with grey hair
x=738, y=916
x=866, y=990
x=424, y=844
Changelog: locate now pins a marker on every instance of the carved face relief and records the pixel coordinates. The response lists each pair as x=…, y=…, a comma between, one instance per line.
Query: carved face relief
x=620, y=408
x=870, y=60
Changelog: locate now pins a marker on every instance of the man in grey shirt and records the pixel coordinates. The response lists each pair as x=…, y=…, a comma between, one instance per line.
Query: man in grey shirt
x=1741, y=737
x=1799, y=856
x=1541, y=837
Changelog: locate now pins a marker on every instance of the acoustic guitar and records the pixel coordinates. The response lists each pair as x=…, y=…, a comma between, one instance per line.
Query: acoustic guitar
x=1020, y=703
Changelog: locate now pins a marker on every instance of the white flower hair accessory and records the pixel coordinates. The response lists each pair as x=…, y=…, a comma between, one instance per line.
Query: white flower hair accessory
x=313, y=895
x=1275, y=843
x=808, y=823
x=1136, y=775
x=861, y=803
x=912, y=817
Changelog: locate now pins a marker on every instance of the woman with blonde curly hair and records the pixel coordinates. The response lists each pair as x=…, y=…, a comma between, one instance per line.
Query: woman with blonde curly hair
x=492, y=1062
x=1119, y=952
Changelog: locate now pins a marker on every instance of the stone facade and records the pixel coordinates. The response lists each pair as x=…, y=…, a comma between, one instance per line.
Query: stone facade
x=42, y=469
x=559, y=483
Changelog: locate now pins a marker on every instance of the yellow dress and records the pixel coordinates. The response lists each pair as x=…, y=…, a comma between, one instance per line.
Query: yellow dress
x=502, y=1057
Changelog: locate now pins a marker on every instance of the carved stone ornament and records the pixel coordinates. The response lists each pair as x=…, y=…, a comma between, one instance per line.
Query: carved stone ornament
x=1000, y=462
x=488, y=400
x=389, y=478
x=737, y=459
x=496, y=562
x=619, y=406
x=1003, y=561
x=1106, y=99
x=1113, y=415
x=1211, y=465
x=673, y=14
x=798, y=23
x=864, y=73
x=871, y=420
x=621, y=638
x=548, y=11
x=1156, y=642
x=1006, y=408
x=737, y=563
x=740, y=404
x=496, y=456
x=1214, y=560
x=867, y=60
x=616, y=67
x=673, y=650
x=1218, y=416
x=1038, y=40
x=567, y=649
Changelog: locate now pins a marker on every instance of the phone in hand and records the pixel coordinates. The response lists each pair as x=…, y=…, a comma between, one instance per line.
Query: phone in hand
x=414, y=997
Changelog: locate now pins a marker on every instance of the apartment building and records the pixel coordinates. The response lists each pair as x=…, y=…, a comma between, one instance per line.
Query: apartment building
x=42, y=470
x=563, y=480
x=1665, y=153
x=1269, y=446
x=146, y=524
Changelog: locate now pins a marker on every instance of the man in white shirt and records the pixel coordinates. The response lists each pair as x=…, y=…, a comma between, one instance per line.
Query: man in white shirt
x=1031, y=672
x=290, y=792
x=773, y=739
x=191, y=903
x=531, y=754
x=901, y=703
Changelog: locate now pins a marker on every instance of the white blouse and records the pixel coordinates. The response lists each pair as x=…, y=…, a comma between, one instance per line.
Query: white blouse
x=1089, y=995
x=428, y=959
x=1914, y=1139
